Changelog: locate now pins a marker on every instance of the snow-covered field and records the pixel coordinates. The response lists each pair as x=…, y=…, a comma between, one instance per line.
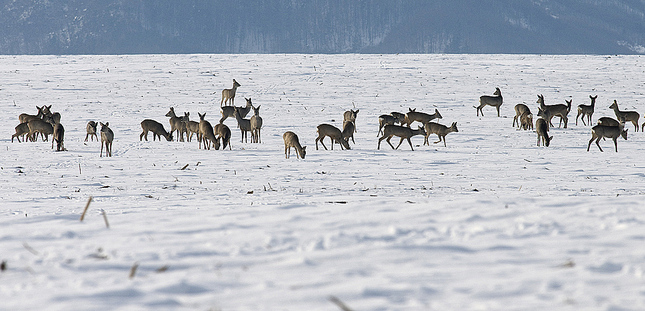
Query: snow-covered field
x=490, y=222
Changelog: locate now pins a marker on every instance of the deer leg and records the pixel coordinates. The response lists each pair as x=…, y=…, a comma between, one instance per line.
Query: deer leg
x=597, y=140
x=616, y=143
x=498, y=111
x=388, y=141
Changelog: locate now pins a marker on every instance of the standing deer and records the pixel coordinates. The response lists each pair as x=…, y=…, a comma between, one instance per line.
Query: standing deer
x=613, y=132
x=228, y=95
x=542, y=130
x=176, y=123
x=350, y=116
x=90, y=130
x=59, y=136
x=40, y=127
x=222, y=132
x=47, y=114
x=206, y=131
x=421, y=117
x=520, y=109
x=22, y=129
x=291, y=140
x=586, y=110
x=191, y=127
x=348, y=132
x=439, y=129
x=559, y=110
x=336, y=136
x=229, y=111
x=631, y=116
x=496, y=101
x=401, y=131
x=243, y=124
x=256, y=125
x=107, y=136
x=526, y=121
x=386, y=119
x=156, y=128
x=24, y=117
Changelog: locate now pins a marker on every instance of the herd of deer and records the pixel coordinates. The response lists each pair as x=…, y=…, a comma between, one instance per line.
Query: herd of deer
x=46, y=123
x=607, y=127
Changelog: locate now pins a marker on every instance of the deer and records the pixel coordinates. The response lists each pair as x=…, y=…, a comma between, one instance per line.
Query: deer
x=58, y=137
x=90, y=130
x=156, y=128
x=222, y=132
x=607, y=121
x=350, y=116
x=422, y=117
x=401, y=131
x=207, y=133
x=40, y=126
x=291, y=140
x=243, y=124
x=47, y=114
x=256, y=125
x=386, y=119
x=328, y=130
x=22, y=129
x=348, y=132
x=631, y=116
x=176, y=123
x=526, y=121
x=602, y=131
x=586, y=110
x=496, y=101
x=520, y=109
x=228, y=95
x=191, y=127
x=24, y=117
x=542, y=130
x=439, y=129
x=107, y=136
x=559, y=110
x=229, y=111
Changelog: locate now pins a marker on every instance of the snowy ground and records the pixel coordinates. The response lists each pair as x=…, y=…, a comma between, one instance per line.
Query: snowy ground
x=490, y=222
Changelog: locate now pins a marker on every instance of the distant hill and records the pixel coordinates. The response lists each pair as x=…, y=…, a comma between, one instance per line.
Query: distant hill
x=322, y=26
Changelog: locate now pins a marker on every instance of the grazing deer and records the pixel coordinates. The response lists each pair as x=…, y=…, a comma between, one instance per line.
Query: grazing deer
x=21, y=130
x=222, y=132
x=542, y=130
x=156, y=128
x=526, y=121
x=386, y=119
x=327, y=130
x=40, y=126
x=228, y=95
x=256, y=125
x=496, y=101
x=59, y=136
x=422, y=117
x=602, y=131
x=559, y=110
x=586, y=110
x=439, y=129
x=207, y=133
x=348, y=132
x=631, y=116
x=24, y=117
x=520, y=109
x=401, y=131
x=90, y=130
x=291, y=140
x=350, y=116
x=177, y=123
x=243, y=124
x=229, y=111
x=107, y=136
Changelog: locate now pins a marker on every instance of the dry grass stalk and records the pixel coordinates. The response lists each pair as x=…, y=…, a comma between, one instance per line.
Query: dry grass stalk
x=107, y=224
x=339, y=303
x=87, y=205
x=133, y=270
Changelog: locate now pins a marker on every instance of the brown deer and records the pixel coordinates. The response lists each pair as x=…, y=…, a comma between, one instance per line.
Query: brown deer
x=256, y=125
x=40, y=127
x=228, y=95
x=243, y=124
x=107, y=137
x=526, y=121
x=350, y=116
x=421, y=117
x=439, y=129
x=207, y=133
x=542, y=130
x=386, y=119
x=156, y=128
x=229, y=111
x=291, y=140
x=222, y=132
x=631, y=116
x=559, y=110
x=177, y=123
x=58, y=137
x=496, y=101
x=24, y=117
x=520, y=109
x=327, y=130
x=390, y=131
x=348, y=132
x=586, y=110
x=90, y=130
x=22, y=129
x=602, y=131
